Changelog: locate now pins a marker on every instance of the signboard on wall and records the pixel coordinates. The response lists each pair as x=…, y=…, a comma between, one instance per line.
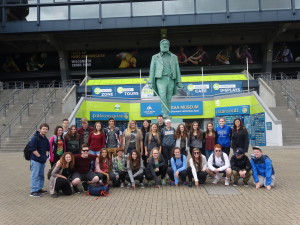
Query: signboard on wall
x=233, y=110
x=94, y=115
x=194, y=89
x=177, y=108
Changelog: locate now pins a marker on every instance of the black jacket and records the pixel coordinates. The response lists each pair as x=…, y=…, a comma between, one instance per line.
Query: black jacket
x=240, y=139
x=240, y=164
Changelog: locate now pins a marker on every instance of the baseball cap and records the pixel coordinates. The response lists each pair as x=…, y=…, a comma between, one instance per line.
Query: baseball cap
x=239, y=151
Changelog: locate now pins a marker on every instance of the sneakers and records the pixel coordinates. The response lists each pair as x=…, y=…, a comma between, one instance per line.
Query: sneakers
x=216, y=180
x=163, y=182
x=150, y=183
x=184, y=182
x=235, y=183
x=42, y=191
x=172, y=183
x=35, y=194
x=122, y=185
x=142, y=185
x=190, y=184
x=55, y=195
x=85, y=186
x=129, y=185
x=227, y=182
x=246, y=184
x=76, y=190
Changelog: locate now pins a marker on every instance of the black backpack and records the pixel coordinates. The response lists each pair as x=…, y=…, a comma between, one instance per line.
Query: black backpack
x=27, y=153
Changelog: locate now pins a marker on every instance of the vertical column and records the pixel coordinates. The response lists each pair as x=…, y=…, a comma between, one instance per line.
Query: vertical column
x=267, y=56
x=64, y=65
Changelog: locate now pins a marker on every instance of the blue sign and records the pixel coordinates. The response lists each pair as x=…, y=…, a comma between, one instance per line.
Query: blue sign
x=269, y=125
x=177, y=108
x=103, y=91
x=106, y=115
x=233, y=110
x=192, y=89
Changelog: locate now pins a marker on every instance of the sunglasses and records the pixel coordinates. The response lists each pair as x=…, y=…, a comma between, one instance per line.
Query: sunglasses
x=84, y=150
x=196, y=153
x=217, y=150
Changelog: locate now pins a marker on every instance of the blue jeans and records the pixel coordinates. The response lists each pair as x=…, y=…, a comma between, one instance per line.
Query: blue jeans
x=37, y=175
x=94, y=152
x=208, y=153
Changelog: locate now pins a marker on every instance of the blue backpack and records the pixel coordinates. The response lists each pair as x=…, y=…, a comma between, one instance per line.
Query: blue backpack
x=98, y=189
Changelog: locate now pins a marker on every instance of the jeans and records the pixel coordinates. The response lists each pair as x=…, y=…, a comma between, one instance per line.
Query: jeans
x=94, y=152
x=37, y=175
x=208, y=153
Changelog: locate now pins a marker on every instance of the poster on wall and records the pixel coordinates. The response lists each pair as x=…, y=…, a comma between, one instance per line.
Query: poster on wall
x=177, y=109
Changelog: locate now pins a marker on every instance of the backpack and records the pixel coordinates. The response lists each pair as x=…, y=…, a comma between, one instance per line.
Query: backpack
x=214, y=158
x=98, y=189
x=26, y=152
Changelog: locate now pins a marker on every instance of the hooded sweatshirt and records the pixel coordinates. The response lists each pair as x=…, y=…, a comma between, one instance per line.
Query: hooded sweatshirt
x=41, y=144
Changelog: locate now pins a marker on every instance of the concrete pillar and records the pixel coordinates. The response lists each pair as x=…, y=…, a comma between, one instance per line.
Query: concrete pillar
x=267, y=56
x=64, y=65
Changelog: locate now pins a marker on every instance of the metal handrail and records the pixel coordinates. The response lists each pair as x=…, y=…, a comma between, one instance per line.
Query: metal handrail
x=287, y=90
x=10, y=101
x=18, y=116
x=48, y=105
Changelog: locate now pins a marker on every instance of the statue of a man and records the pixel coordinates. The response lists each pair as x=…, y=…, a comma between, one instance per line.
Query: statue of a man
x=164, y=77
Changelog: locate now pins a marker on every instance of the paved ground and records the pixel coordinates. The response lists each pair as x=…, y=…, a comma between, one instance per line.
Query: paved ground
x=208, y=204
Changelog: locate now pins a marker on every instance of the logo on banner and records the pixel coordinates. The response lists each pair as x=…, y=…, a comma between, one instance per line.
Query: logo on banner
x=117, y=107
x=127, y=91
x=97, y=91
x=149, y=110
x=245, y=110
x=216, y=86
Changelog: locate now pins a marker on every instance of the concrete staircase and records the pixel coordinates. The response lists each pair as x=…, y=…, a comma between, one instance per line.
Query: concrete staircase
x=17, y=142
x=290, y=123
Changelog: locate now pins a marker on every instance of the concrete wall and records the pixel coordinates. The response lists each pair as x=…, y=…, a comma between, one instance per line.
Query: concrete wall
x=266, y=93
x=69, y=101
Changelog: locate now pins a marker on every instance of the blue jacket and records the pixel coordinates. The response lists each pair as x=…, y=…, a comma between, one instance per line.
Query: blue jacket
x=224, y=135
x=41, y=144
x=178, y=165
x=262, y=166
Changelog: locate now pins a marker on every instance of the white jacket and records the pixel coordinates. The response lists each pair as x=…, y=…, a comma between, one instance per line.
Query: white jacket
x=194, y=171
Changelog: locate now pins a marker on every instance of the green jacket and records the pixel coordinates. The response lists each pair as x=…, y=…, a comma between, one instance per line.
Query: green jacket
x=156, y=69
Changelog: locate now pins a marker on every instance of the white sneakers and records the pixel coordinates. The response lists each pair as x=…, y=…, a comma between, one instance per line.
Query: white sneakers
x=226, y=181
x=216, y=180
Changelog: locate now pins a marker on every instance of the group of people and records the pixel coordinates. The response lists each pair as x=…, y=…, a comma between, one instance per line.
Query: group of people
x=152, y=153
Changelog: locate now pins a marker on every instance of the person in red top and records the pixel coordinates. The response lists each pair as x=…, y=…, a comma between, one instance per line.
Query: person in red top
x=103, y=168
x=96, y=139
x=84, y=131
x=210, y=139
x=82, y=169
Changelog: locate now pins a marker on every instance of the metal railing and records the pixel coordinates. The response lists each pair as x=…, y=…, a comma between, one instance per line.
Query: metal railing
x=49, y=101
x=287, y=90
x=19, y=116
x=11, y=101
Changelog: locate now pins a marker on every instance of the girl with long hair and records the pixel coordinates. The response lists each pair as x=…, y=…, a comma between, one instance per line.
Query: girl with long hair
x=181, y=137
x=56, y=145
x=60, y=176
x=145, y=129
x=152, y=139
x=135, y=168
x=239, y=137
x=197, y=168
x=103, y=167
x=96, y=139
x=210, y=138
x=156, y=167
x=178, y=168
x=72, y=141
x=133, y=138
x=196, y=137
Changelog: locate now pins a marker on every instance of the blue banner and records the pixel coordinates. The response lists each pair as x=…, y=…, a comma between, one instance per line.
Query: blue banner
x=233, y=110
x=106, y=115
x=191, y=89
x=177, y=108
